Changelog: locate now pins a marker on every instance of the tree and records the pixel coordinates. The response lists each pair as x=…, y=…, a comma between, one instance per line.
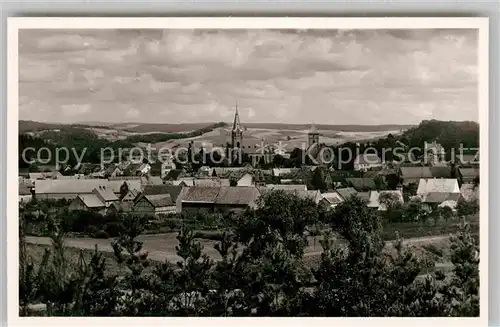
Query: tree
x=262, y=270
x=466, y=208
x=318, y=180
x=380, y=182
x=128, y=251
x=446, y=213
x=279, y=161
x=360, y=279
x=463, y=290
x=413, y=210
x=411, y=189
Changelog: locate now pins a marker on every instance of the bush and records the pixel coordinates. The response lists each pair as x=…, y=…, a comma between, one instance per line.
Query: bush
x=465, y=208
x=83, y=219
x=91, y=230
x=433, y=249
x=172, y=224
x=113, y=229
x=101, y=234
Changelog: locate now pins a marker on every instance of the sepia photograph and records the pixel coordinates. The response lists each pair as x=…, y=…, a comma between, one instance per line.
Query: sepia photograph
x=249, y=172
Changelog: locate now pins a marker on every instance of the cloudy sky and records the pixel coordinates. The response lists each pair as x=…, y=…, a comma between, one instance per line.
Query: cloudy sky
x=171, y=76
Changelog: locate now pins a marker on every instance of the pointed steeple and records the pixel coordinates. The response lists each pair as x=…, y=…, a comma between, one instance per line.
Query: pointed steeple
x=313, y=129
x=236, y=123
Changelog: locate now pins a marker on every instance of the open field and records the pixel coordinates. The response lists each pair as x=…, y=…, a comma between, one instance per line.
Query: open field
x=254, y=136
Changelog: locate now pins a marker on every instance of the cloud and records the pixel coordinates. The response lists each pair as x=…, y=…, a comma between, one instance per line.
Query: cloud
x=329, y=76
x=132, y=113
x=75, y=109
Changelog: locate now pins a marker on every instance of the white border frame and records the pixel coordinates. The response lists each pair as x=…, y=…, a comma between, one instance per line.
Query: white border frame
x=14, y=24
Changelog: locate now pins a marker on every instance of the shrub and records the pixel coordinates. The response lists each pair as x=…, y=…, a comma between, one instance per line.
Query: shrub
x=113, y=229
x=101, y=234
x=91, y=230
x=465, y=208
x=433, y=249
x=172, y=224
x=84, y=219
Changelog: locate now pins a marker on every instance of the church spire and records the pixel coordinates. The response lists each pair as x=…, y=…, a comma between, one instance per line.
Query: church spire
x=236, y=123
x=313, y=129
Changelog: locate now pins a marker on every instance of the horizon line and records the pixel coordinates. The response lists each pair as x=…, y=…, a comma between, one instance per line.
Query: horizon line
x=95, y=123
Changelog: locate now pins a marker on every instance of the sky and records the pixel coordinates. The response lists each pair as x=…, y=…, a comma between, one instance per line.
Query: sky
x=293, y=76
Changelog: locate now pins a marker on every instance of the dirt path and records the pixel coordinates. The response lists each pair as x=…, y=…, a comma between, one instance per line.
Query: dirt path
x=161, y=247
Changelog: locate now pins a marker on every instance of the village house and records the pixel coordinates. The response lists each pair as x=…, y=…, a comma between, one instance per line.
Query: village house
x=143, y=169
x=174, y=176
x=219, y=199
x=468, y=175
x=124, y=207
x=287, y=187
x=332, y=198
x=167, y=166
x=362, y=184
x=204, y=171
x=176, y=193
x=245, y=179
x=87, y=202
x=129, y=195
x=25, y=194
x=366, y=161
x=120, y=187
x=44, y=175
x=65, y=189
x=433, y=191
x=105, y=194
x=24, y=172
x=414, y=174
x=151, y=180
x=442, y=172
x=99, y=200
x=225, y=172
x=69, y=189
x=211, y=182
x=112, y=171
x=124, y=178
x=278, y=172
x=154, y=205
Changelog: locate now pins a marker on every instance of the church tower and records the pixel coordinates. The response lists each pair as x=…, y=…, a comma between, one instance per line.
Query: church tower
x=312, y=136
x=237, y=131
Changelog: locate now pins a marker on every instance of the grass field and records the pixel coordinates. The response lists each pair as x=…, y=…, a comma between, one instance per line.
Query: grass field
x=290, y=138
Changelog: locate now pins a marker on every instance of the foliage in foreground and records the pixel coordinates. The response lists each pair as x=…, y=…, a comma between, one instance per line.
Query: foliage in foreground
x=260, y=273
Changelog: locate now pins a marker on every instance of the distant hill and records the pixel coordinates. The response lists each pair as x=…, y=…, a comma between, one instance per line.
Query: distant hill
x=339, y=128
x=160, y=128
x=34, y=126
x=175, y=128
x=450, y=134
x=31, y=126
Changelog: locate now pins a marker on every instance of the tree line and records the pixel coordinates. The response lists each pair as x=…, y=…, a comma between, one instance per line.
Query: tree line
x=262, y=270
